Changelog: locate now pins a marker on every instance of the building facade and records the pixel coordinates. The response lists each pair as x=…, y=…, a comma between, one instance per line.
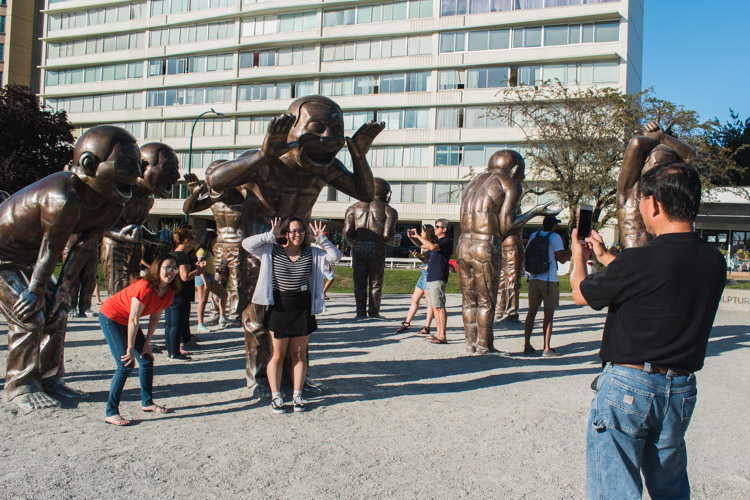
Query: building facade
x=428, y=68
x=20, y=45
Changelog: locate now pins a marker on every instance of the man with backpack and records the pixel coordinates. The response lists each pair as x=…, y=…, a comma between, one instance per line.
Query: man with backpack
x=543, y=252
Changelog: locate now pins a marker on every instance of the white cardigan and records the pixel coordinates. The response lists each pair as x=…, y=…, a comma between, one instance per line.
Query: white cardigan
x=261, y=246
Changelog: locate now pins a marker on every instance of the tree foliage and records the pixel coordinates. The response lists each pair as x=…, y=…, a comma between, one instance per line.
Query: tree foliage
x=576, y=140
x=34, y=142
x=734, y=137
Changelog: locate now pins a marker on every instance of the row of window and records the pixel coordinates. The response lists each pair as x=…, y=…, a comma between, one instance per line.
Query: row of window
x=189, y=96
x=408, y=192
x=502, y=76
x=93, y=17
x=190, y=34
x=192, y=64
x=377, y=49
x=212, y=127
x=536, y=36
x=164, y=7
x=94, y=74
x=74, y=48
x=283, y=23
x=460, y=7
x=383, y=84
x=391, y=11
x=470, y=117
x=270, y=91
x=96, y=103
x=277, y=57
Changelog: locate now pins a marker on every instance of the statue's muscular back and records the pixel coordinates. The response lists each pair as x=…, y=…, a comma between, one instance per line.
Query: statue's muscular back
x=37, y=211
x=370, y=219
x=482, y=203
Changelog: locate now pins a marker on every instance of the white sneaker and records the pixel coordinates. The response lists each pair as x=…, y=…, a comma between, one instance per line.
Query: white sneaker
x=299, y=404
x=277, y=406
x=203, y=328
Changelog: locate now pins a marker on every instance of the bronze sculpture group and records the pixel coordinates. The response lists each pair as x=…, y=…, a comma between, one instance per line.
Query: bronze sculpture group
x=107, y=193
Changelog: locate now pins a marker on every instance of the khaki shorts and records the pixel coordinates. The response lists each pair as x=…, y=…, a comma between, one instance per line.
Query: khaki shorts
x=547, y=292
x=435, y=291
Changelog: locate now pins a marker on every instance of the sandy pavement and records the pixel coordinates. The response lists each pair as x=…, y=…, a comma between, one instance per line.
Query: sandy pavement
x=400, y=418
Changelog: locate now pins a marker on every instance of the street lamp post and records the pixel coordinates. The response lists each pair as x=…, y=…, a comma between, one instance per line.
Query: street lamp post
x=192, y=131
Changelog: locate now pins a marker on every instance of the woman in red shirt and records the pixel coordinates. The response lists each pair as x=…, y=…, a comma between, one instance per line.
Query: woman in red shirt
x=120, y=316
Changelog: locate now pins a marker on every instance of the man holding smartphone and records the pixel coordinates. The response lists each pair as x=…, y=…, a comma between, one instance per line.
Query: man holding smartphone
x=662, y=299
x=437, y=275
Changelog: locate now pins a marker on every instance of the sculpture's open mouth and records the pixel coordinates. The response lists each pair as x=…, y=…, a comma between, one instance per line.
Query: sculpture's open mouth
x=124, y=189
x=320, y=156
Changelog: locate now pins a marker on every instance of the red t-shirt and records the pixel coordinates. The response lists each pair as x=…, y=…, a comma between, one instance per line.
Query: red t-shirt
x=117, y=307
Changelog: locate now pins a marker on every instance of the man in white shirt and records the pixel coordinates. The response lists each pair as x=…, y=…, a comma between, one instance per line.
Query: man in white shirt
x=544, y=287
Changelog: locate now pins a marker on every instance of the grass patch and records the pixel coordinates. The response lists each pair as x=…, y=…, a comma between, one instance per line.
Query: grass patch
x=403, y=281
x=739, y=285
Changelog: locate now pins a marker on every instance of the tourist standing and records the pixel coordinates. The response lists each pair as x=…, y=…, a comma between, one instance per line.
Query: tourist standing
x=290, y=284
x=428, y=233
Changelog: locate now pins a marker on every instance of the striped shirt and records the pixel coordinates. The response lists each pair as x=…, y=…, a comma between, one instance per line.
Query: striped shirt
x=291, y=276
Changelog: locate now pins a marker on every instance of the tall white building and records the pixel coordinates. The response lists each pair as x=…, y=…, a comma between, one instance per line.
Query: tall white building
x=428, y=68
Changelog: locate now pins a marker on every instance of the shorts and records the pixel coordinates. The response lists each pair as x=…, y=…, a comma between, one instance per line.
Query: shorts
x=329, y=274
x=435, y=291
x=204, y=279
x=422, y=281
x=547, y=292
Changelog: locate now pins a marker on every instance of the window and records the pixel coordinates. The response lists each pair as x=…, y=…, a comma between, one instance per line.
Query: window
x=352, y=121
x=447, y=192
x=607, y=32
x=452, y=42
x=448, y=118
x=450, y=79
x=482, y=78
x=2, y=24
x=527, y=37
x=447, y=155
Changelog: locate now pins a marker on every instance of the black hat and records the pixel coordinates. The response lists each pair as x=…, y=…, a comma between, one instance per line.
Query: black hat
x=549, y=222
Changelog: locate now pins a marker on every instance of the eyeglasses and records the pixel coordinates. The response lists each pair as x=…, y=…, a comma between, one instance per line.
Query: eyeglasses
x=638, y=200
x=296, y=231
x=440, y=227
x=171, y=269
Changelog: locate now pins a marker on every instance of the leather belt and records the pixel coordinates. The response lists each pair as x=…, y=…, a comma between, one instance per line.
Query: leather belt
x=654, y=369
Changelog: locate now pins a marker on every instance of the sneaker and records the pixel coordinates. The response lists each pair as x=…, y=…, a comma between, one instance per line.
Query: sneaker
x=299, y=404
x=529, y=350
x=203, y=328
x=277, y=406
x=223, y=321
x=550, y=354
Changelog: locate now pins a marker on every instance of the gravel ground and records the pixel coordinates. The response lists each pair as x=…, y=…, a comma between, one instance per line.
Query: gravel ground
x=400, y=418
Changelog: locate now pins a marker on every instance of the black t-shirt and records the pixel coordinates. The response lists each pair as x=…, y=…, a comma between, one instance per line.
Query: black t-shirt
x=437, y=264
x=662, y=301
x=187, y=290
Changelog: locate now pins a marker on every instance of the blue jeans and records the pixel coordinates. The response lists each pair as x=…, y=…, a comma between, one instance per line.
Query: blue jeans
x=176, y=325
x=117, y=338
x=637, y=423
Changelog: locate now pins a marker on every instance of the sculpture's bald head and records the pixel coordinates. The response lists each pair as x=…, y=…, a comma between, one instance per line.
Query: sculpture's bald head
x=108, y=160
x=160, y=168
x=382, y=189
x=508, y=161
x=318, y=132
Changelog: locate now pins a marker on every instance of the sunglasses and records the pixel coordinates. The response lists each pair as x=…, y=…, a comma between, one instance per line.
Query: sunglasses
x=296, y=231
x=171, y=269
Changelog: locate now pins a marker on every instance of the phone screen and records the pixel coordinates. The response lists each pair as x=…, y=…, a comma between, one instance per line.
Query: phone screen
x=585, y=215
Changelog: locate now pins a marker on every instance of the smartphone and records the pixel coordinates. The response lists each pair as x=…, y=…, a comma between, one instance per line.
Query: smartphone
x=585, y=218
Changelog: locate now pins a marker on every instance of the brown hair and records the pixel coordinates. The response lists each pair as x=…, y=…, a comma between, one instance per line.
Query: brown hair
x=182, y=235
x=153, y=275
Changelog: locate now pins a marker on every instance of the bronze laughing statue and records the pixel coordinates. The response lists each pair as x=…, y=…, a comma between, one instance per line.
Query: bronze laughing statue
x=35, y=224
x=654, y=147
x=488, y=214
x=296, y=161
x=237, y=212
x=122, y=244
x=368, y=227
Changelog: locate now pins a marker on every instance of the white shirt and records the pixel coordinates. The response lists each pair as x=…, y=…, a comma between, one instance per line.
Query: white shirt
x=555, y=245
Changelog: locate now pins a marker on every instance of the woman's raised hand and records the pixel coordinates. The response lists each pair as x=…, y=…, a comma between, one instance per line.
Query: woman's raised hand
x=276, y=227
x=317, y=228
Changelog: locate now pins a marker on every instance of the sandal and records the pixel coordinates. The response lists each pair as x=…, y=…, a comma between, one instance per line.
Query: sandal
x=155, y=408
x=117, y=420
x=424, y=331
x=405, y=325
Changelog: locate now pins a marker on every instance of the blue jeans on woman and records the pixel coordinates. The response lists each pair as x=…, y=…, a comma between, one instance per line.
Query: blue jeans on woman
x=176, y=324
x=637, y=423
x=117, y=338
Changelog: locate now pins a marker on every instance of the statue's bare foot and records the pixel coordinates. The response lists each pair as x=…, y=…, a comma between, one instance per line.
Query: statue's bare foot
x=262, y=390
x=35, y=401
x=315, y=387
x=63, y=391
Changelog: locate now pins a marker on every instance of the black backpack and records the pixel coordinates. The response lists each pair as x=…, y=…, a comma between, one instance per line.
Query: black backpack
x=537, y=254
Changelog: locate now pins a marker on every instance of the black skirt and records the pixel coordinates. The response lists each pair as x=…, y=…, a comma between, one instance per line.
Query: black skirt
x=290, y=315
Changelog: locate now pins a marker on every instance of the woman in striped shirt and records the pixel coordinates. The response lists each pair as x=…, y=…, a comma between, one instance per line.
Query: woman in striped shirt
x=290, y=283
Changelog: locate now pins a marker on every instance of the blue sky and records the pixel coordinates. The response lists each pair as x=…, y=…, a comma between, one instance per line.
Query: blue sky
x=697, y=53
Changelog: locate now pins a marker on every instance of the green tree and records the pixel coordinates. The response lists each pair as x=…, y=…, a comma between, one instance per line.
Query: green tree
x=34, y=142
x=576, y=139
x=734, y=137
